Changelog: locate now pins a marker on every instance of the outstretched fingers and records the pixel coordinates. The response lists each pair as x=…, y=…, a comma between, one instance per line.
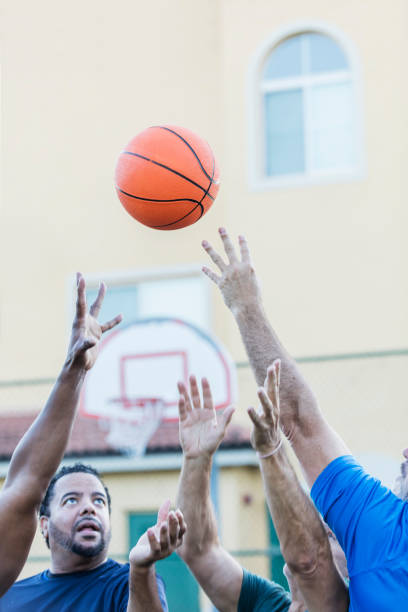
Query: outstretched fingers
x=217, y=259
x=111, y=324
x=216, y=279
x=243, y=245
x=267, y=406
x=173, y=529
x=184, y=403
x=182, y=523
x=195, y=393
x=227, y=416
x=228, y=246
x=96, y=306
x=272, y=383
x=154, y=544
x=208, y=403
x=254, y=416
x=81, y=298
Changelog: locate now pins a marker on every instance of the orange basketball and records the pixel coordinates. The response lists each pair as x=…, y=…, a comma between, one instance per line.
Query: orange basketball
x=167, y=177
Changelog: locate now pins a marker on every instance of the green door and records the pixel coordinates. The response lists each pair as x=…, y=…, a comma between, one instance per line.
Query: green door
x=181, y=586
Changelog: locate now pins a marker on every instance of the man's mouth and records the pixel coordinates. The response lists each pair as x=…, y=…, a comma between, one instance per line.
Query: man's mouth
x=88, y=528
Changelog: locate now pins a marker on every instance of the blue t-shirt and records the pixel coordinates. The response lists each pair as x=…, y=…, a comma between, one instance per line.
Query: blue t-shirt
x=103, y=589
x=371, y=524
x=260, y=595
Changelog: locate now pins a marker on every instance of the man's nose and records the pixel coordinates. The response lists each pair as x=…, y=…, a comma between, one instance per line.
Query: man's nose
x=88, y=508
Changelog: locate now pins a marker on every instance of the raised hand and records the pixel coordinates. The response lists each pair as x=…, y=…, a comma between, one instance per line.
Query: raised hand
x=237, y=282
x=161, y=540
x=201, y=429
x=266, y=435
x=86, y=330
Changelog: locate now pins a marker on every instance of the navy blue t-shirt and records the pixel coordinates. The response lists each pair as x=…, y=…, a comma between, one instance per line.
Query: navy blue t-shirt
x=103, y=589
x=371, y=524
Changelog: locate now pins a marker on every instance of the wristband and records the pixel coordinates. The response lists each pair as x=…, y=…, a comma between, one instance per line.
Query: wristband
x=275, y=450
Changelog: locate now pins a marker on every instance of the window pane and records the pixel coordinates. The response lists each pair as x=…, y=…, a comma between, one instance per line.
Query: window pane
x=325, y=55
x=331, y=115
x=284, y=132
x=285, y=60
x=175, y=297
x=117, y=300
x=184, y=297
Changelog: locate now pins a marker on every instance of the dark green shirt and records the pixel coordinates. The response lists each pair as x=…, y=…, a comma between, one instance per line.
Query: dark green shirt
x=260, y=595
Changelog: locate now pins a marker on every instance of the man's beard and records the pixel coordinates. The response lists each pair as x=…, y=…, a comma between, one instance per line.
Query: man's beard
x=68, y=542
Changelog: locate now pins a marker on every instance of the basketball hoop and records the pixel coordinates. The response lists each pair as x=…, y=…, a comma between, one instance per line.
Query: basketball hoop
x=133, y=432
x=132, y=387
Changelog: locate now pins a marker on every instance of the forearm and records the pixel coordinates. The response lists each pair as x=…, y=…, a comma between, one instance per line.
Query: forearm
x=219, y=575
x=143, y=593
x=304, y=542
x=298, y=526
x=298, y=403
x=42, y=447
x=194, y=500
x=315, y=443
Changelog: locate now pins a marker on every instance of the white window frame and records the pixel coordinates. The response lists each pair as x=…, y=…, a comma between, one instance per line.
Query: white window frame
x=117, y=278
x=257, y=87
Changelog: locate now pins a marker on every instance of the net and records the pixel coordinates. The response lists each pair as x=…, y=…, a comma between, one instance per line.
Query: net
x=132, y=434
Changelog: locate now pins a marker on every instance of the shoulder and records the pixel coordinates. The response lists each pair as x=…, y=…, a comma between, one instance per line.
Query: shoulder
x=115, y=569
x=343, y=472
x=340, y=465
x=31, y=580
x=257, y=592
x=346, y=478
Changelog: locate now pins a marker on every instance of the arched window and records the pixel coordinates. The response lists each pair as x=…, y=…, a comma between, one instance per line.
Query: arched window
x=306, y=107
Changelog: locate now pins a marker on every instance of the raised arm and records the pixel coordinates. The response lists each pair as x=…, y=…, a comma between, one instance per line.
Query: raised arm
x=304, y=542
x=159, y=542
x=39, y=452
x=298, y=602
x=201, y=432
x=315, y=443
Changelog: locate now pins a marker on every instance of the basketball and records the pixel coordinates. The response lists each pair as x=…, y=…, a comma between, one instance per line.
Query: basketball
x=167, y=177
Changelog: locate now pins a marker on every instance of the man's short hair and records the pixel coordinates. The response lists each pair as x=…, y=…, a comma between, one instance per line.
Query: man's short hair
x=70, y=469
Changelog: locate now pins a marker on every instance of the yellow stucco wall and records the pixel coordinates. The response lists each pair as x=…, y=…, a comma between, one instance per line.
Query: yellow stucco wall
x=78, y=83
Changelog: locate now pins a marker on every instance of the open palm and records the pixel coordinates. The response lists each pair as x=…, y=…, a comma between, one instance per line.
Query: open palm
x=201, y=432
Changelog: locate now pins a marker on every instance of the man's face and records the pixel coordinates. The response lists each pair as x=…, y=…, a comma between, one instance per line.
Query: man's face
x=79, y=519
x=401, y=483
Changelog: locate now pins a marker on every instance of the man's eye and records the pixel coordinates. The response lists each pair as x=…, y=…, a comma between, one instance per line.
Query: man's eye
x=69, y=501
x=100, y=501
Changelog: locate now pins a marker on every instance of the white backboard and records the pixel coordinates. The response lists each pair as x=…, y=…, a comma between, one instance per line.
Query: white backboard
x=146, y=359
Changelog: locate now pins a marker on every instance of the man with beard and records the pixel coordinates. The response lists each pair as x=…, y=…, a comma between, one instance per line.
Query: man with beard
x=75, y=522
x=42, y=447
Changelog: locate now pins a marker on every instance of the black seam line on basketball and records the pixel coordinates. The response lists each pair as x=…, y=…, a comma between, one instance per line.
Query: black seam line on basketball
x=166, y=168
x=208, y=188
x=189, y=213
x=155, y=200
x=181, y=218
x=162, y=127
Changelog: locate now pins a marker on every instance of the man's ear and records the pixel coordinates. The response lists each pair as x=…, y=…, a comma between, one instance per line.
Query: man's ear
x=44, y=527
